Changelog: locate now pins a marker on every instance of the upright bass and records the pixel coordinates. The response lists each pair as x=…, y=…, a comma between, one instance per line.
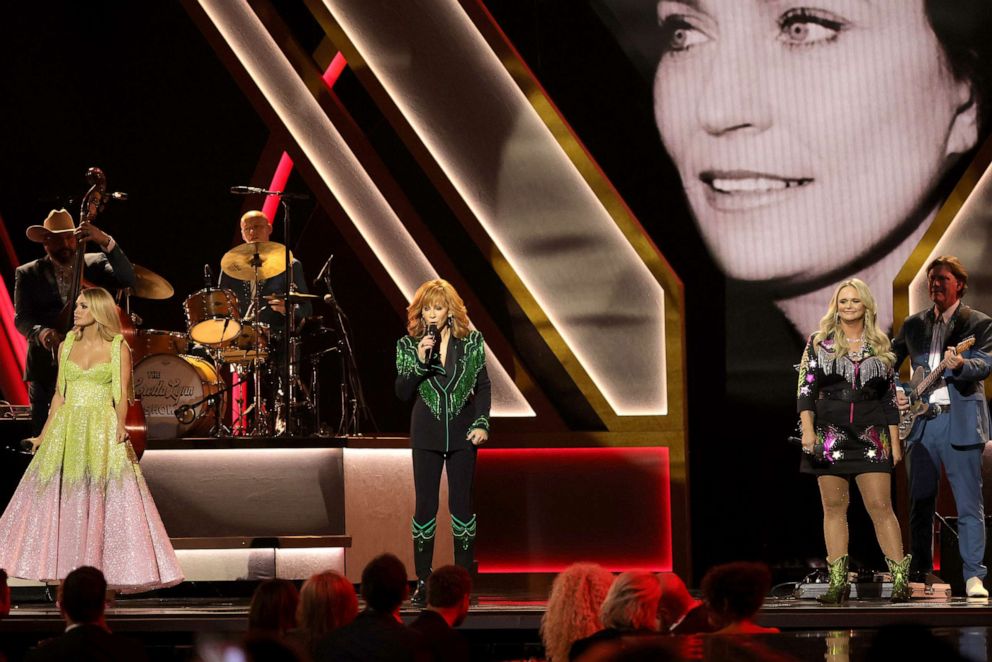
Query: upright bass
x=91, y=206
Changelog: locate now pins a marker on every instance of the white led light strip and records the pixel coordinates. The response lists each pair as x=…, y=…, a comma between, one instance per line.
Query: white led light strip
x=338, y=168
x=493, y=147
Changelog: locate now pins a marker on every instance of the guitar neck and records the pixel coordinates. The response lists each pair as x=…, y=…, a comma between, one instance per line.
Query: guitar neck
x=931, y=379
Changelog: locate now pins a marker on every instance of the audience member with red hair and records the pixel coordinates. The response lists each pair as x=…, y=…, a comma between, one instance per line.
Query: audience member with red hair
x=327, y=602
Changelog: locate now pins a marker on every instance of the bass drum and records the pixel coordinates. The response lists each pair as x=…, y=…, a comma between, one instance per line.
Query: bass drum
x=167, y=381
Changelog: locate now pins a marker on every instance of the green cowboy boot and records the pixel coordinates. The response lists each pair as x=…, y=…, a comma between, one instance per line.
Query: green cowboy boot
x=900, y=578
x=423, y=557
x=839, y=589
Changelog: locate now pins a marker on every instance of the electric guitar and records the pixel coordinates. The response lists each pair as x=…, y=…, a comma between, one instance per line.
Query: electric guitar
x=920, y=384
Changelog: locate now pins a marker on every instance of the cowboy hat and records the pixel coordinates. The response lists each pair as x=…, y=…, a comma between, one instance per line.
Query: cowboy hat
x=59, y=221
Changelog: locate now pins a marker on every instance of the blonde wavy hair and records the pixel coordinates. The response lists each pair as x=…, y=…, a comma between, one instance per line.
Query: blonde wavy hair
x=573, y=607
x=327, y=602
x=432, y=293
x=632, y=602
x=874, y=336
x=104, y=311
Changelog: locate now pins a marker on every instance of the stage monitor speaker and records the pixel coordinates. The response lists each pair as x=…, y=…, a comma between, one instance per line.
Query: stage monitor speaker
x=950, y=554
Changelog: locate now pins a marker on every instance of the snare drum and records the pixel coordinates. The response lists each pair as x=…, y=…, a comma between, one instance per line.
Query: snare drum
x=212, y=316
x=254, y=338
x=167, y=381
x=152, y=341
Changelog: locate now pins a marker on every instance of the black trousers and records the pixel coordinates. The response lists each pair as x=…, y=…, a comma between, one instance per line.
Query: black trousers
x=427, y=466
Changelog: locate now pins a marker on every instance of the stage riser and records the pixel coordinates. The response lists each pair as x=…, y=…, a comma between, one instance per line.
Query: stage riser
x=207, y=492
x=257, y=564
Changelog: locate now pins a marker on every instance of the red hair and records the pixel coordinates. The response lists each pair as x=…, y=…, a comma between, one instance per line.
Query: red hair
x=433, y=292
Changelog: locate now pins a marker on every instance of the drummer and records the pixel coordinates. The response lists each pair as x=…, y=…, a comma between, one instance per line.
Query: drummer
x=255, y=227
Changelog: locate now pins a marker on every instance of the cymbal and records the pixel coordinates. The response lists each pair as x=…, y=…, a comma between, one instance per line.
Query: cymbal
x=149, y=285
x=240, y=261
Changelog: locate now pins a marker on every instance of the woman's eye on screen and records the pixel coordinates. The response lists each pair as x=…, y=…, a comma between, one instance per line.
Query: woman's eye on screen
x=806, y=27
x=679, y=34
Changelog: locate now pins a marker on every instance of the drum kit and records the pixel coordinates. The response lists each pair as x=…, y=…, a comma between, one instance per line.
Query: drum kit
x=180, y=376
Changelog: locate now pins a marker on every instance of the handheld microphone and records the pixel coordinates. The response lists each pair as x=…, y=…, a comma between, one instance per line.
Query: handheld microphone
x=435, y=334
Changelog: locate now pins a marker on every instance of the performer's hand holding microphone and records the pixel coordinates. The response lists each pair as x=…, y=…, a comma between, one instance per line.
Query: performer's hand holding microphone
x=428, y=344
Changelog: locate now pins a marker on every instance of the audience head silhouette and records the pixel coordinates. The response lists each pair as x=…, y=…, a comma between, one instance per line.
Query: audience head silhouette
x=384, y=584
x=273, y=607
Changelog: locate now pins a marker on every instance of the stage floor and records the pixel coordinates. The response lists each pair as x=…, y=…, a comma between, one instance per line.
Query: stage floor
x=506, y=627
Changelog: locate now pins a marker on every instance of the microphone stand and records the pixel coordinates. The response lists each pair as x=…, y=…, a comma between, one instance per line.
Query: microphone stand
x=352, y=396
x=288, y=372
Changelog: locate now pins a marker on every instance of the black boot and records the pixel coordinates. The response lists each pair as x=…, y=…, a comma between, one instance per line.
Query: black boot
x=423, y=557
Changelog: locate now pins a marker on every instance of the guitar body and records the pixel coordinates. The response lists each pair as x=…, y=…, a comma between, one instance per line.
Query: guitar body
x=920, y=386
x=917, y=407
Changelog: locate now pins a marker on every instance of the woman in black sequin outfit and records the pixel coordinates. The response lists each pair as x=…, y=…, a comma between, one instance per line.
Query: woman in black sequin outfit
x=849, y=418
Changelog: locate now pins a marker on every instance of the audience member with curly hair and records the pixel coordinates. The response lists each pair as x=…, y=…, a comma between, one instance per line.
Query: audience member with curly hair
x=573, y=607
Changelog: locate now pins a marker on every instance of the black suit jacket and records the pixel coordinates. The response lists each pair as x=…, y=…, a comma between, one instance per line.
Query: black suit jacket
x=37, y=303
x=372, y=637
x=88, y=643
x=445, y=643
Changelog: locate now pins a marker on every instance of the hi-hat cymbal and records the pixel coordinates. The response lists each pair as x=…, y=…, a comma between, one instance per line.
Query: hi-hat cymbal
x=149, y=285
x=240, y=261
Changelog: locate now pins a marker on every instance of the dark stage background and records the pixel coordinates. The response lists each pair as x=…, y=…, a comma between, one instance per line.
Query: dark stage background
x=136, y=90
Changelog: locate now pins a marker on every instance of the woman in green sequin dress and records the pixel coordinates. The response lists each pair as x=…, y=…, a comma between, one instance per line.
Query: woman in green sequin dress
x=447, y=379
x=83, y=499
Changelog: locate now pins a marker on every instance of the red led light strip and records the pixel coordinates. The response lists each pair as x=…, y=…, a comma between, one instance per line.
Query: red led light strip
x=13, y=346
x=660, y=560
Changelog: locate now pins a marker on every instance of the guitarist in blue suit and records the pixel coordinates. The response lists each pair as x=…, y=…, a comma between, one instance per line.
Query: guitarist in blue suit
x=955, y=427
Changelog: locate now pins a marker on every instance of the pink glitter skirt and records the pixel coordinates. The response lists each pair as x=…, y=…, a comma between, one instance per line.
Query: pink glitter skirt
x=84, y=501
